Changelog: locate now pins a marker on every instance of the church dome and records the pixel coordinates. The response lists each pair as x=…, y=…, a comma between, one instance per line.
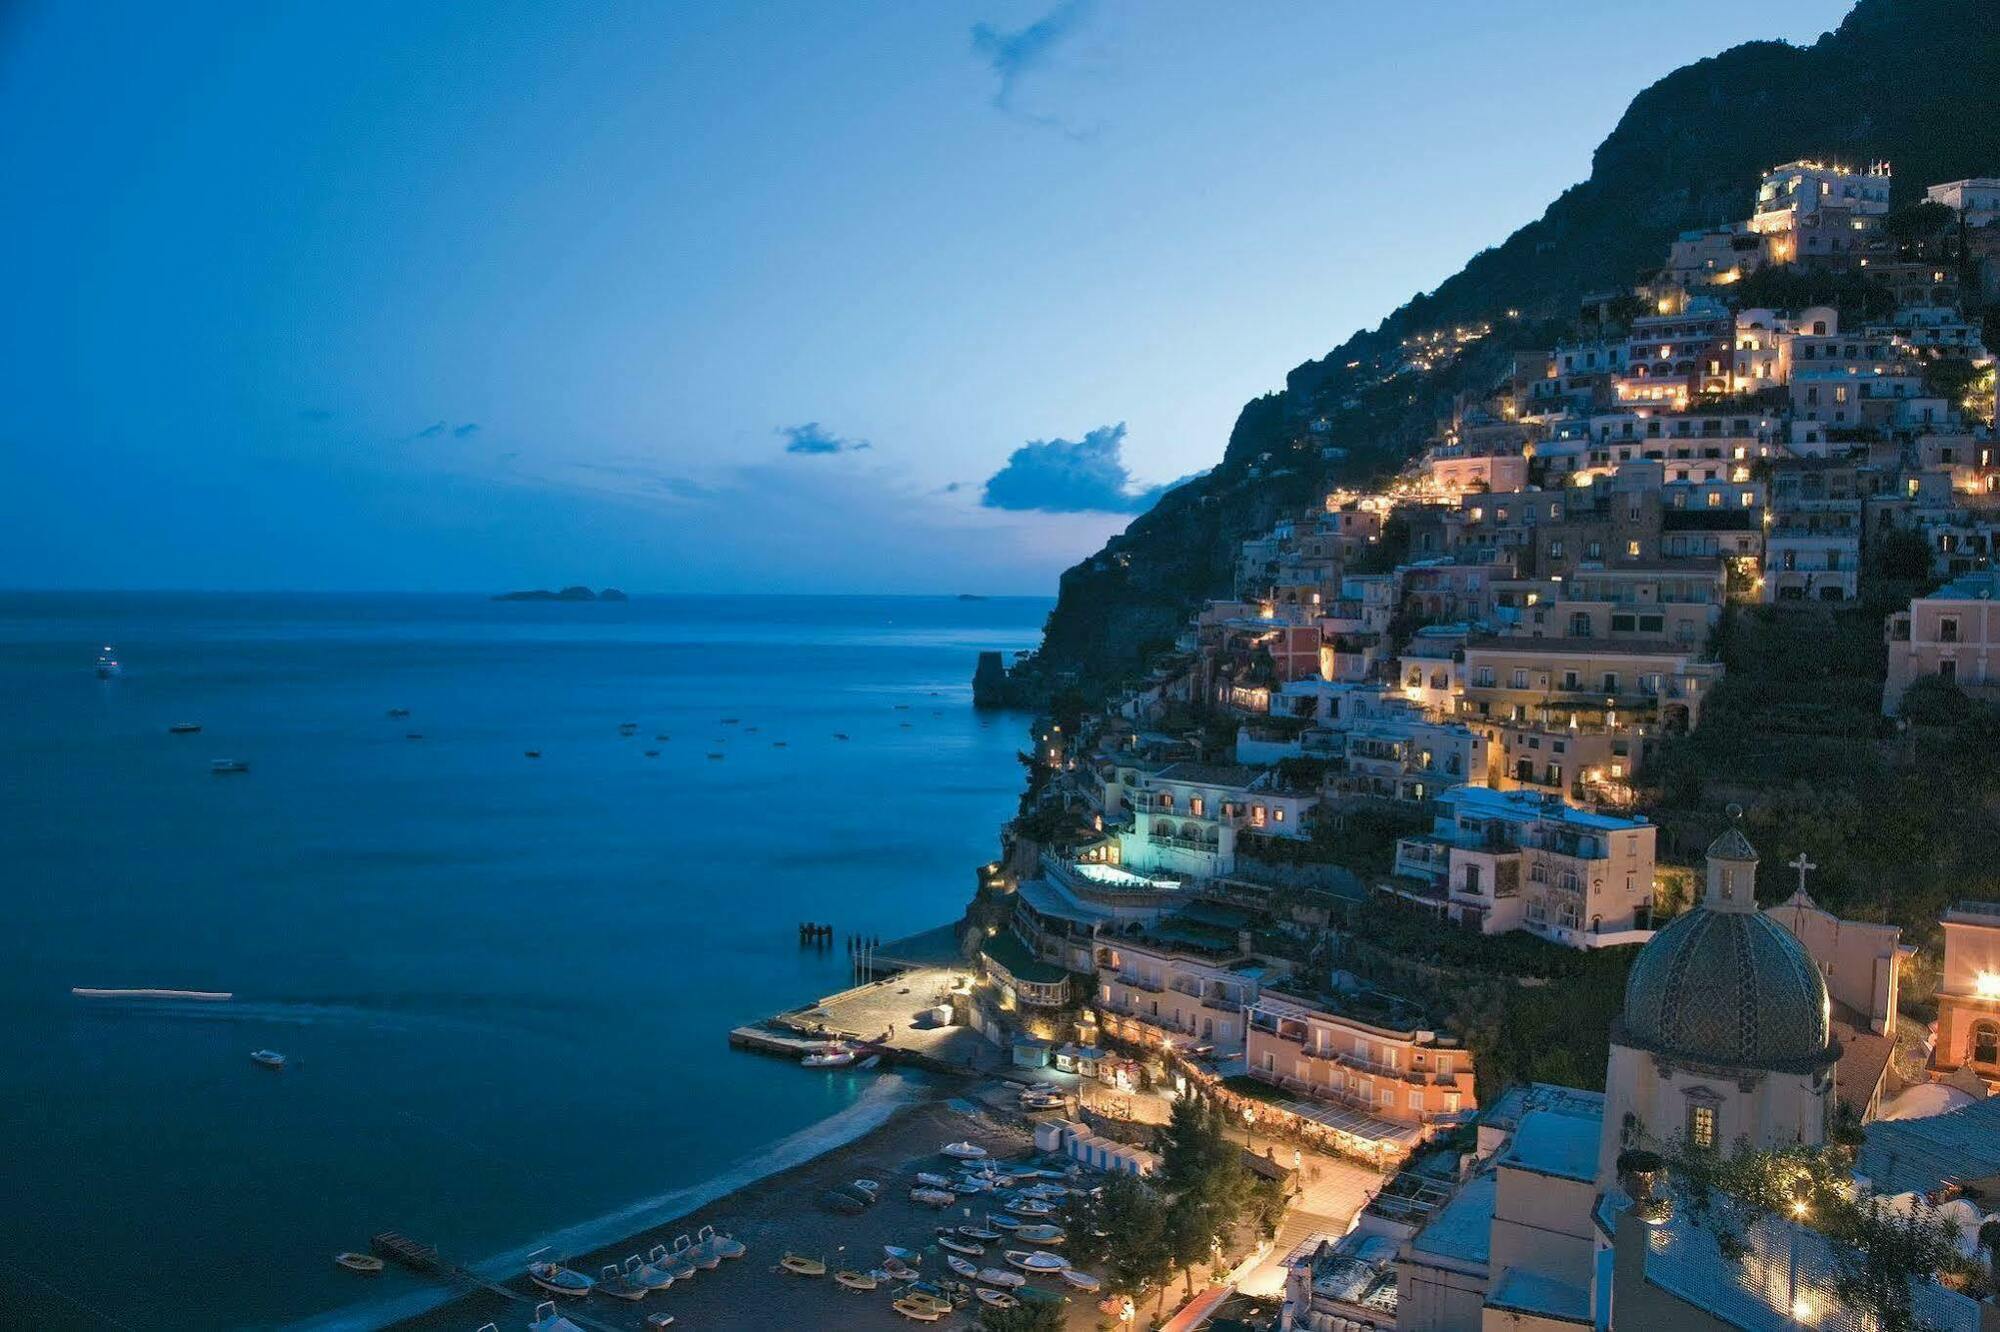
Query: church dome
x=1728, y=987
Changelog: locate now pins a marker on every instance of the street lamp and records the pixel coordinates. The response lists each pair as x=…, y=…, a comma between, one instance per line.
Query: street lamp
x=1249, y=1118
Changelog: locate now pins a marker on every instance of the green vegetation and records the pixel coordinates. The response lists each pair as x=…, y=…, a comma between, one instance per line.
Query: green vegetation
x=1036, y=1317
x=1879, y=1253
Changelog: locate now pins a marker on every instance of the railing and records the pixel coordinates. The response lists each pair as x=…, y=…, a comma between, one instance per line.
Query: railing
x=1181, y=843
x=1140, y=983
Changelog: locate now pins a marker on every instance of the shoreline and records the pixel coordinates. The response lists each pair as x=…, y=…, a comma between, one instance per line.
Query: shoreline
x=773, y=1213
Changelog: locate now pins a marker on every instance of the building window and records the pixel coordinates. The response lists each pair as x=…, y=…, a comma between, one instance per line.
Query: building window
x=1948, y=629
x=1986, y=1043
x=1196, y=805
x=1701, y=1126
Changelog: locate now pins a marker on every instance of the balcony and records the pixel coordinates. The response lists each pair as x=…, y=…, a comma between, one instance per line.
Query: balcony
x=1181, y=843
x=1140, y=983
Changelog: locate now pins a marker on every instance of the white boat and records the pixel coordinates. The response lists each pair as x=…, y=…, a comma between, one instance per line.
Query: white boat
x=548, y=1320
x=559, y=1280
x=900, y=1253
x=1081, y=1280
x=1036, y=1260
x=978, y=1233
x=998, y=1299
x=365, y=1263
x=1005, y=1222
x=618, y=1286
x=965, y=1247
x=726, y=1246
x=867, y=1186
x=1000, y=1276
x=1040, y=1234
x=201, y=996
x=674, y=1265
x=964, y=1151
x=268, y=1058
x=696, y=1254
x=643, y=1273
x=931, y=1181
x=973, y=1184
x=107, y=664
x=831, y=1055
x=222, y=767
x=899, y=1269
x=1028, y=1207
x=960, y=1265
x=933, y=1197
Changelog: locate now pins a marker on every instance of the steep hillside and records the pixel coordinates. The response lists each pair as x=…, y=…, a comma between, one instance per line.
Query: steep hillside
x=1908, y=80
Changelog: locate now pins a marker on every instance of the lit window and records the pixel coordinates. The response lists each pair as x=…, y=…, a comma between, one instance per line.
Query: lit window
x=1701, y=1125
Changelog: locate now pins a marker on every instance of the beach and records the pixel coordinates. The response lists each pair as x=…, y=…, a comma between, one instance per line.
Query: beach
x=779, y=1214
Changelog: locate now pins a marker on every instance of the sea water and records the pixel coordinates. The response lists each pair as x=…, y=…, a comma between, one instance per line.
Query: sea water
x=503, y=984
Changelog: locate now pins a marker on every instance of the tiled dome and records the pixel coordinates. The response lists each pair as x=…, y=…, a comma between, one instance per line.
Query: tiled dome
x=1728, y=987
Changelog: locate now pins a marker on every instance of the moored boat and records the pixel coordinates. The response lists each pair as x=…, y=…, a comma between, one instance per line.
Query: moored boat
x=831, y=1055
x=899, y=1269
x=960, y=1246
x=856, y=1280
x=559, y=1280
x=268, y=1058
x=964, y=1151
x=646, y=1274
x=960, y=1265
x=617, y=1285
x=933, y=1197
x=1040, y=1234
x=916, y=1312
x=1081, y=1280
x=1000, y=1276
x=907, y=1255
x=932, y=1181
x=365, y=1263
x=799, y=1265
x=997, y=1299
x=978, y=1233
x=1036, y=1260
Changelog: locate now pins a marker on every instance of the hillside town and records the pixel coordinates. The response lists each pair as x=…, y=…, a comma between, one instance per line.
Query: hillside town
x=1397, y=786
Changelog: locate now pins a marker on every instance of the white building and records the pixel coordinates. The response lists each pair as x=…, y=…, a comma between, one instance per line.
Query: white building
x=1188, y=817
x=1976, y=199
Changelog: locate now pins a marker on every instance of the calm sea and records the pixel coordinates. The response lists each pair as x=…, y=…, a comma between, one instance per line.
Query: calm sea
x=503, y=984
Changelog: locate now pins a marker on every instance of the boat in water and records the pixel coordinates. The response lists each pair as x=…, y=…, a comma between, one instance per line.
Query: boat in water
x=856, y=1280
x=202, y=996
x=799, y=1265
x=1036, y=1260
x=184, y=728
x=978, y=1233
x=998, y=1299
x=933, y=1197
x=918, y=1312
x=1001, y=1277
x=559, y=1280
x=831, y=1055
x=1040, y=1234
x=268, y=1058
x=902, y=1254
x=223, y=767
x=932, y=1181
x=107, y=664
x=961, y=1266
x=365, y=1263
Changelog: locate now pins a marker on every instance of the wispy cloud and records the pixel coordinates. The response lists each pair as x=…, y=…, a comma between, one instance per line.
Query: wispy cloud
x=1069, y=476
x=1013, y=56
x=431, y=431
x=813, y=438
x=466, y=431
x=644, y=479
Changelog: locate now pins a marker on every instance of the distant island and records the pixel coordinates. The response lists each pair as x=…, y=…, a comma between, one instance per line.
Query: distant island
x=567, y=594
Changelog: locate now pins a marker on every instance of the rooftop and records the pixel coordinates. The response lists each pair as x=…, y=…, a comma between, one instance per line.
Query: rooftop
x=1532, y=1293
x=1549, y=1143
x=1209, y=774
x=1918, y=1155
x=1588, y=647
x=1485, y=802
x=1519, y=1100
x=1012, y=956
x=1462, y=1229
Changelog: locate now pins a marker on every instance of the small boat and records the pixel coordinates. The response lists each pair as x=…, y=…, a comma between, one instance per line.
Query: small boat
x=559, y=1280
x=960, y=1246
x=931, y=1181
x=802, y=1266
x=840, y=735
x=856, y=1280
x=643, y=1273
x=1036, y=1260
x=1040, y=1234
x=673, y=1264
x=697, y=1254
x=1000, y=1276
x=997, y=1299
x=723, y=1246
x=777, y=744
x=107, y=664
x=548, y=1320
x=972, y=1184
x=867, y=1186
x=222, y=767
x=964, y=1151
x=978, y=1233
x=268, y=1058
x=413, y=735
x=906, y=1255
x=184, y=728
x=365, y=1263
x=1028, y=1207
x=831, y=1055
x=618, y=1286
x=933, y=1197
x=652, y=753
x=715, y=756
x=842, y=1201
x=659, y=1320
x=1005, y=1222
x=921, y=1313
x=899, y=1269
x=1081, y=1280
x=960, y=1265
x=531, y=753
x=732, y=721
x=628, y=728
x=399, y=712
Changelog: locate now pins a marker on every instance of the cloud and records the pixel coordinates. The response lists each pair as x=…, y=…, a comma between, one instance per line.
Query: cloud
x=644, y=479
x=1012, y=56
x=466, y=431
x=431, y=431
x=813, y=438
x=1069, y=476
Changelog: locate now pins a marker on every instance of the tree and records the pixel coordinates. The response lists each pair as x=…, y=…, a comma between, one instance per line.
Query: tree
x=1036, y=1317
x=1126, y=1227
x=1901, y=553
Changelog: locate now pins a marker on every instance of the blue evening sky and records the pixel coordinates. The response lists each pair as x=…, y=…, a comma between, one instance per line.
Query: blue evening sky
x=709, y=297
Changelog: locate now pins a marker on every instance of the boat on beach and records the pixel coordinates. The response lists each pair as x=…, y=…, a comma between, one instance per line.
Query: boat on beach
x=671, y=1263
x=559, y=1280
x=933, y=1197
x=701, y=1257
x=641, y=1272
x=916, y=1312
x=998, y=1299
x=546, y=1319
x=964, y=1151
x=1036, y=1260
x=611, y=1281
x=722, y=1246
x=1081, y=1280
x=1000, y=1276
